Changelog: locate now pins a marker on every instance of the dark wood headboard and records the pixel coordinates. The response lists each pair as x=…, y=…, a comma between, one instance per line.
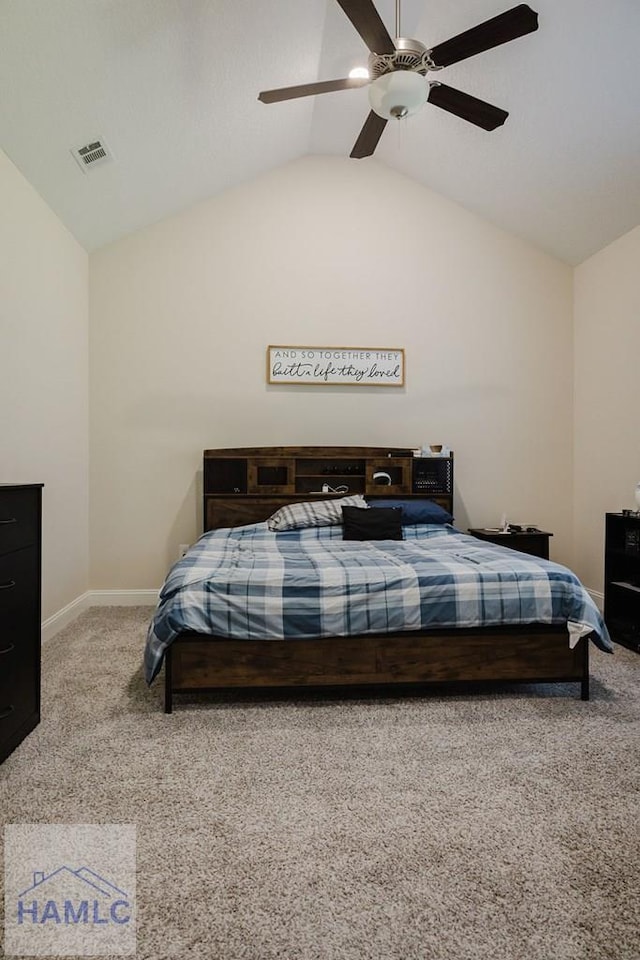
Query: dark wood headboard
x=247, y=484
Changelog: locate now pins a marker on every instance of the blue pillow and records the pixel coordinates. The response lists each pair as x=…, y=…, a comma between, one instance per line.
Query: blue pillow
x=416, y=511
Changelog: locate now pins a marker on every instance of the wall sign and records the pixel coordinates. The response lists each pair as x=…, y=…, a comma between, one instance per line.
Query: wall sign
x=352, y=366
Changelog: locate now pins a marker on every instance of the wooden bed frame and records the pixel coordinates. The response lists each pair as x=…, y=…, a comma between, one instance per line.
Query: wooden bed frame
x=234, y=495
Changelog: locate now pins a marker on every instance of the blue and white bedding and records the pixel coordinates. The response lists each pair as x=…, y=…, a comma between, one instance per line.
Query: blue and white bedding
x=251, y=583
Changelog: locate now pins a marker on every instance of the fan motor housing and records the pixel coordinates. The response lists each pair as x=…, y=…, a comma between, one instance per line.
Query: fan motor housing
x=409, y=55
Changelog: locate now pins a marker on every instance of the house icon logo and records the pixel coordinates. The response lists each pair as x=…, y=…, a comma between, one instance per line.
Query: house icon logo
x=70, y=889
x=72, y=897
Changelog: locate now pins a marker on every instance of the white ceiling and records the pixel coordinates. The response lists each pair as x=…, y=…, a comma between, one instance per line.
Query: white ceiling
x=171, y=86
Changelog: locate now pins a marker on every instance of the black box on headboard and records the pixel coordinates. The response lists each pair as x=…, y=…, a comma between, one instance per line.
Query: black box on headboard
x=432, y=475
x=226, y=475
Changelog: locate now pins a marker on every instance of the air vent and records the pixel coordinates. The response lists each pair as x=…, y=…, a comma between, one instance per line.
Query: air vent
x=92, y=155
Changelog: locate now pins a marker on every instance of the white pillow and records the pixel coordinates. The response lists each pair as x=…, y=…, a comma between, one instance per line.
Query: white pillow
x=313, y=513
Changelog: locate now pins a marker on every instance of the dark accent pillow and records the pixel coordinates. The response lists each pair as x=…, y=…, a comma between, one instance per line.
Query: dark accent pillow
x=416, y=511
x=359, y=524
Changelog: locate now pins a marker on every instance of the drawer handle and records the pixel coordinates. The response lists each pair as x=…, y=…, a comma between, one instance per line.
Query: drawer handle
x=7, y=713
x=7, y=585
x=10, y=520
x=7, y=649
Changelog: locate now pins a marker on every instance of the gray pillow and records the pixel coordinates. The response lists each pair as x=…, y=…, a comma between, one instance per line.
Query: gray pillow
x=313, y=513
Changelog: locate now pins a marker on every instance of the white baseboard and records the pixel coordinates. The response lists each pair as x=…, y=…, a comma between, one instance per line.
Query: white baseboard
x=64, y=617
x=96, y=598
x=123, y=598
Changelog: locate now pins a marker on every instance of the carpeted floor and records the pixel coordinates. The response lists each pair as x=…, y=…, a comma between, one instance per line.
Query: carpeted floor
x=453, y=827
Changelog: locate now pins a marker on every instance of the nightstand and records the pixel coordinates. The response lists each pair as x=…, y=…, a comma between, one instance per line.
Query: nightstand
x=535, y=543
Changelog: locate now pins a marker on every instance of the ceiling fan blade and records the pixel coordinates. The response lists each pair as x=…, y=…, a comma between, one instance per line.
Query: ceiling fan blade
x=506, y=26
x=469, y=108
x=368, y=137
x=310, y=89
x=366, y=20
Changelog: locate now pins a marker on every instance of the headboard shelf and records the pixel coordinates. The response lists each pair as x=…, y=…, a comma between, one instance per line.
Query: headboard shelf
x=247, y=484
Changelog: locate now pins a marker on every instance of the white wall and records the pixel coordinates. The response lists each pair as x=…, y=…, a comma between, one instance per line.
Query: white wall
x=607, y=396
x=323, y=251
x=44, y=378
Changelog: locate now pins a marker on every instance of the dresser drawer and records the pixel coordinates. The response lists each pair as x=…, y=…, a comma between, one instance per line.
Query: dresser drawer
x=19, y=674
x=19, y=587
x=19, y=632
x=19, y=668
x=15, y=713
x=19, y=692
x=19, y=518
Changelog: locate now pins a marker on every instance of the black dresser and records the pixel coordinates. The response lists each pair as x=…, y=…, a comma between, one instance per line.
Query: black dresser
x=20, y=564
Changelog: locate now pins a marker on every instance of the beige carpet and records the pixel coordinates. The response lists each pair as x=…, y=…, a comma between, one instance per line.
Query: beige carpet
x=451, y=827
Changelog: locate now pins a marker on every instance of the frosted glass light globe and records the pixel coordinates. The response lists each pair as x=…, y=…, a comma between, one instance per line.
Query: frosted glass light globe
x=398, y=94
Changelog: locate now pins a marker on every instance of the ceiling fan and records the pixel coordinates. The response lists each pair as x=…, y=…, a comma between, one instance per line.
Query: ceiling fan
x=397, y=79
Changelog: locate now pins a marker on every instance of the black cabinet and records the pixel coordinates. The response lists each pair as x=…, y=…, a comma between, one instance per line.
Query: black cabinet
x=536, y=543
x=20, y=539
x=622, y=578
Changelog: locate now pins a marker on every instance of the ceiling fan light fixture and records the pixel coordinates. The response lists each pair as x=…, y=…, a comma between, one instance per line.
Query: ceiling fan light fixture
x=359, y=73
x=397, y=83
x=398, y=94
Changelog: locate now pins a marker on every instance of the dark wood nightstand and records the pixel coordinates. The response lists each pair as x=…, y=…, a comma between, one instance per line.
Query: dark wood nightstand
x=535, y=543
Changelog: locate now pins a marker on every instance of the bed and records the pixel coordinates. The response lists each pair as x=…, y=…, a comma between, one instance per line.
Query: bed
x=250, y=606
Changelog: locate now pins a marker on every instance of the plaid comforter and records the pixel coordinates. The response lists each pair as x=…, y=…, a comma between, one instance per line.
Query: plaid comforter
x=250, y=583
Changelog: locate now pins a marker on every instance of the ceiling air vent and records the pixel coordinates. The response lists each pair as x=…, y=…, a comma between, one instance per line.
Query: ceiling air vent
x=92, y=155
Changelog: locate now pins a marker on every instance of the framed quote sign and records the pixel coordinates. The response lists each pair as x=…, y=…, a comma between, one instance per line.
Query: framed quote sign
x=349, y=366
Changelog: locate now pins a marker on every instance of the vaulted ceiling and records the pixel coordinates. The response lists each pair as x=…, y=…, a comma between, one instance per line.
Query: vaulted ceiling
x=171, y=86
